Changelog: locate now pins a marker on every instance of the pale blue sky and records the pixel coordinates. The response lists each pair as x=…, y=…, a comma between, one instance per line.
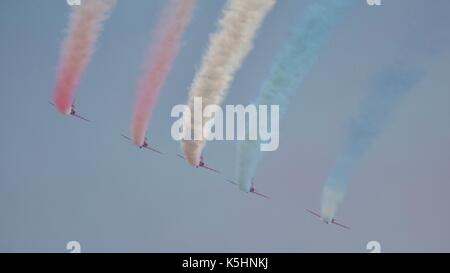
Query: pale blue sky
x=62, y=179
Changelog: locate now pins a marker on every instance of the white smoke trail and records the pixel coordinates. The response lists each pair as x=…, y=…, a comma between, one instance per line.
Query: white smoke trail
x=84, y=27
x=227, y=49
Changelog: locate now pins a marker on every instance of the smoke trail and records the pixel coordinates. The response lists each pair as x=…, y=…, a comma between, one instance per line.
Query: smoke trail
x=389, y=87
x=163, y=51
x=293, y=63
x=227, y=49
x=84, y=27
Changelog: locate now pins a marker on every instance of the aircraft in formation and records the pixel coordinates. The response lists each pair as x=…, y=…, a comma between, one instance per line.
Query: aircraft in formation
x=202, y=164
x=73, y=112
x=144, y=145
x=327, y=221
x=252, y=188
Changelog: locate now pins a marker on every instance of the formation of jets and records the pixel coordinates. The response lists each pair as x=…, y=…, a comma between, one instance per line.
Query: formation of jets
x=202, y=164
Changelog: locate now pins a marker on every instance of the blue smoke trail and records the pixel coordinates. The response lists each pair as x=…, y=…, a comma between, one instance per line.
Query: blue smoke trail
x=421, y=46
x=414, y=55
x=388, y=88
x=293, y=63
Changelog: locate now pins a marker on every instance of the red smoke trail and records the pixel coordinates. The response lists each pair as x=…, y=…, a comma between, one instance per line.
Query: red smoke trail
x=84, y=27
x=163, y=50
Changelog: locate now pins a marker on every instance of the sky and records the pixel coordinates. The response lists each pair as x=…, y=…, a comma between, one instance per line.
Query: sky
x=62, y=179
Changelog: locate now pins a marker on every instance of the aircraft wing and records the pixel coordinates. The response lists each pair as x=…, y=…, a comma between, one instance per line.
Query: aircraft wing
x=341, y=225
x=313, y=213
x=153, y=150
x=211, y=169
x=81, y=117
x=260, y=194
x=231, y=181
x=126, y=137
